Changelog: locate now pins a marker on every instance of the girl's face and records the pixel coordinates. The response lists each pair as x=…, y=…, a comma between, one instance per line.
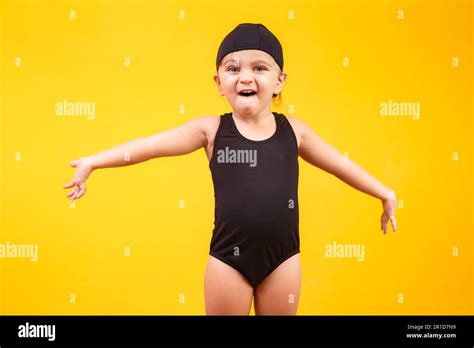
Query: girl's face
x=252, y=71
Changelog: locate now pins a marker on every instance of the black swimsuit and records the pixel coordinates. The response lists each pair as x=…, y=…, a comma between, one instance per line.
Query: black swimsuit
x=256, y=199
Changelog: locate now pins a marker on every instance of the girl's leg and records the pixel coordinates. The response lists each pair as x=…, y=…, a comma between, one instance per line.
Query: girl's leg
x=226, y=291
x=279, y=292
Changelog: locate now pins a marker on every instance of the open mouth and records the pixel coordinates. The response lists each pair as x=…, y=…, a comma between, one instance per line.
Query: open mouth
x=247, y=93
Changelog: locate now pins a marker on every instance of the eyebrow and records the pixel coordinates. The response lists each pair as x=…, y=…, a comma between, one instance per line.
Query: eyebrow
x=258, y=60
x=262, y=61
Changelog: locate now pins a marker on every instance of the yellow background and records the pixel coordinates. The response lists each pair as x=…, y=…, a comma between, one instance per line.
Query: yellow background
x=172, y=48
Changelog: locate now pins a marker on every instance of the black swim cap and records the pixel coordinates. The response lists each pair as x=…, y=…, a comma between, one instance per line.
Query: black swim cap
x=247, y=36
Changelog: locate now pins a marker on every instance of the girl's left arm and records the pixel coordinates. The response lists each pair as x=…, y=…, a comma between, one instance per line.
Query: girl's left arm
x=319, y=153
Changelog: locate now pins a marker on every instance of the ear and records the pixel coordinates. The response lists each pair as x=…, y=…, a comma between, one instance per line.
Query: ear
x=280, y=83
x=218, y=83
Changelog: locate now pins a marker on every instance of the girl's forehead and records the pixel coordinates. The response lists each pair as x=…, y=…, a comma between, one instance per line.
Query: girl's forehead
x=247, y=56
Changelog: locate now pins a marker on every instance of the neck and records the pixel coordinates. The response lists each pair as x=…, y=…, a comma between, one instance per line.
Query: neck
x=255, y=119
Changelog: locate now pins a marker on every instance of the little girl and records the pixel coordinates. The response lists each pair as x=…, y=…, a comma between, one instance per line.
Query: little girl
x=253, y=157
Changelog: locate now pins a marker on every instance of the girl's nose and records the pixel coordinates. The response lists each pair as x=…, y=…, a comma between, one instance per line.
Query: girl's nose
x=246, y=76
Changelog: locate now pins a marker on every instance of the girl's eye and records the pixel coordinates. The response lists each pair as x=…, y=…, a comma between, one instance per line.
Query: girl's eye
x=235, y=68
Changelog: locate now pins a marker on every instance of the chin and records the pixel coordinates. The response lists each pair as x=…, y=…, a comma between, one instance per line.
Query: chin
x=246, y=110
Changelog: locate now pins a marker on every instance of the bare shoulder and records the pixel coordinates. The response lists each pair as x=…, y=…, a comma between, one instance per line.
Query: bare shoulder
x=299, y=127
x=208, y=121
x=209, y=125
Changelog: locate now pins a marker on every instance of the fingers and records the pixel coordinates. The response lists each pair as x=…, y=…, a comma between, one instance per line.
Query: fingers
x=71, y=184
x=77, y=192
x=73, y=191
x=74, y=197
x=71, y=195
x=82, y=190
x=384, y=223
x=394, y=223
x=74, y=194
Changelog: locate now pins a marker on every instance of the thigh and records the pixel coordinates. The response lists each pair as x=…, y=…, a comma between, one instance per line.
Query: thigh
x=279, y=292
x=226, y=291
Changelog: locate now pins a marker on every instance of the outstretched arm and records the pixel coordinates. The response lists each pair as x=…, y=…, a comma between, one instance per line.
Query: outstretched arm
x=319, y=153
x=181, y=140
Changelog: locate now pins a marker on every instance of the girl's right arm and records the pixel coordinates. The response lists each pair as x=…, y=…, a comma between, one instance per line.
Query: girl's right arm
x=181, y=140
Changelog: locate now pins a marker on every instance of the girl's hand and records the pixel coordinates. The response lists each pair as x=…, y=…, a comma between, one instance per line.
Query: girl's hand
x=83, y=169
x=389, y=206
